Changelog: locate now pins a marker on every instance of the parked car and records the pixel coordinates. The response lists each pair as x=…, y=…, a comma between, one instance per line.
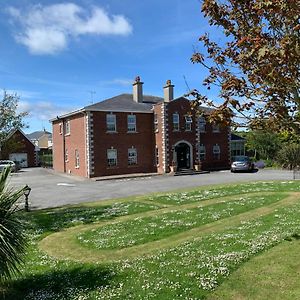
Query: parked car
x=241, y=163
x=7, y=163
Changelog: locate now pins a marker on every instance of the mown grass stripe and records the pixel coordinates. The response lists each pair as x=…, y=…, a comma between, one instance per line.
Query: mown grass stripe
x=63, y=244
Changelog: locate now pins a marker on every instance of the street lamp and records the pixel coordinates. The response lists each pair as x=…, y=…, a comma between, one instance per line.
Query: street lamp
x=27, y=191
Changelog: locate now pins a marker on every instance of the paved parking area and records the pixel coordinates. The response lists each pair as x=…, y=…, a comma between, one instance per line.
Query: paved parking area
x=50, y=189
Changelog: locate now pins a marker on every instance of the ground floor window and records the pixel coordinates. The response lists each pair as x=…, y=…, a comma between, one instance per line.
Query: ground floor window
x=216, y=152
x=202, y=152
x=132, y=156
x=66, y=155
x=112, y=157
x=76, y=158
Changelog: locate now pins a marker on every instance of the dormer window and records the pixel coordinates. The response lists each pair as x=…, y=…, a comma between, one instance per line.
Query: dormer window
x=111, y=123
x=188, y=123
x=176, y=122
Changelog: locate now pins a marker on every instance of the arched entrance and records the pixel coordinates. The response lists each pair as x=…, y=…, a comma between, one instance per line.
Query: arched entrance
x=183, y=155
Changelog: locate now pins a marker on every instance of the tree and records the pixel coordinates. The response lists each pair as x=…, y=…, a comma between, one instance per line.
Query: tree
x=10, y=118
x=289, y=156
x=12, y=239
x=256, y=67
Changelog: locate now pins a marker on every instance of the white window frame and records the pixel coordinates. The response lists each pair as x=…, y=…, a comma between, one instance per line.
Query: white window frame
x=112, y=157
x=202, y=152
x=188, y=123
x=67, y=127
x=202, y=124
x=155, y=122
x=131, y=126
x=66, y=155
x=60, y=128
x=176, y=122
x=132, y=156
x=111, y=125
x=77, y=161
x=216, y=152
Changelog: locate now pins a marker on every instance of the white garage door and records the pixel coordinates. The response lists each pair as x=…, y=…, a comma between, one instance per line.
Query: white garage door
x=21, y=158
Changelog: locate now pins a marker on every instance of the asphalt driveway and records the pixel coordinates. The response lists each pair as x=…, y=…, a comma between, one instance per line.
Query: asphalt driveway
x=50, y=189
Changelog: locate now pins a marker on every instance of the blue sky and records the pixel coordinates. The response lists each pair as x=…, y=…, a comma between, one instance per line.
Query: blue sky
x=54, y=53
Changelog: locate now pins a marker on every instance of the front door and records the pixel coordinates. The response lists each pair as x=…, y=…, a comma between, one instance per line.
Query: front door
x=183, y=156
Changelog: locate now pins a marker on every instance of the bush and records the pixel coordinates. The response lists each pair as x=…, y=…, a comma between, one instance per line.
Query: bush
x=289, y=156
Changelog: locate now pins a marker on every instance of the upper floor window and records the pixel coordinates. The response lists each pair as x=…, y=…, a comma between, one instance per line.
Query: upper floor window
x=132, y=156
x=155, y=123
x=202, y=124
x=60, y=128
x=202, y=152
x=215, y=128
x=112, y=157
x=216, y=152
x=76, y=158
x=67, y=127
x=111, y=123
x=131, y=123
x=188, y=123
x=176, y=122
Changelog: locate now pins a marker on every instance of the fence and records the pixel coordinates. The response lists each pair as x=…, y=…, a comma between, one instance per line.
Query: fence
x=296, y=174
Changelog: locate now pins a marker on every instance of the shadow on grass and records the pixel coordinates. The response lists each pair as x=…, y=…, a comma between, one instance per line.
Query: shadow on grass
x=63, y=285
x=56, y=219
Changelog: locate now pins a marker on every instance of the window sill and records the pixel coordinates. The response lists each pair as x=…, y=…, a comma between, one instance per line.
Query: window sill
x=110, y=132
x=132, y=166
x=67, y=134
x=76, y=167
x=132, y=132
x=112, y=167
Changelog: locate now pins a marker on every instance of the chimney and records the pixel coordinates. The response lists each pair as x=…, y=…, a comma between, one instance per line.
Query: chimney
x=168, y=91
x=138, y=90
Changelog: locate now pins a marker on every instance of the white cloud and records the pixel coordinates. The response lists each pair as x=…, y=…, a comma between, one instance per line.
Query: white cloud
x=117, y=82
x=42, y=110
x=48, y=29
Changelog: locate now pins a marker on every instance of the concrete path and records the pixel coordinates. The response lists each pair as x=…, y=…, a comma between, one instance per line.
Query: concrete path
x=50, y=189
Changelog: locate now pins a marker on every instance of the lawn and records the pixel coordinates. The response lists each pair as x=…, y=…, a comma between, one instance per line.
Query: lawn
x=197, y=244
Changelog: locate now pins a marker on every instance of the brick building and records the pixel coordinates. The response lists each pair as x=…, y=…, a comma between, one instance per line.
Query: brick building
x=135, y=133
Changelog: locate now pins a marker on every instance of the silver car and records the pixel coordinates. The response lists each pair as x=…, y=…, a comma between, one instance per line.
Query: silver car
x=7, y=163
x=242, y=163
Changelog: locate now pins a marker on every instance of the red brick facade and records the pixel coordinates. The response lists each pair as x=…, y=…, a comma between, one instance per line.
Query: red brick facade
x=17, y=144
x=153, y=146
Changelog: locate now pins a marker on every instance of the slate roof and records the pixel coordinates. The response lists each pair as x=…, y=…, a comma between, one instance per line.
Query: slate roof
x=125, y=103
x=37, y=134
x=235, y=137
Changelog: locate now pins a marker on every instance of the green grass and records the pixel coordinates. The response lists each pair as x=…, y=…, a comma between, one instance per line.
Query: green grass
x=225, y=233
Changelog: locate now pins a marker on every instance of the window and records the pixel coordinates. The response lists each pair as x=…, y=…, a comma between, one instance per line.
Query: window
x=202, y=152
x=215, y=128
x=76, y=158
x=60, y=128
x=131, y=123
x=111, y=123
x=132, y=156
x=111, y=157
x=216, y=152
x=67, y=127
x=155, y=123
x=188, y=123
x=202, y=124
x=157, y=155
x=66, y=155
x=175, y=122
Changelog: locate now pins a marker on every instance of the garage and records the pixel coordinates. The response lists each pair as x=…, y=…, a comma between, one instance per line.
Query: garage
x=20, y=158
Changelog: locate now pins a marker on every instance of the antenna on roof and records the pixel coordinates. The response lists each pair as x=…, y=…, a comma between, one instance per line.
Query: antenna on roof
x=92, y=96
